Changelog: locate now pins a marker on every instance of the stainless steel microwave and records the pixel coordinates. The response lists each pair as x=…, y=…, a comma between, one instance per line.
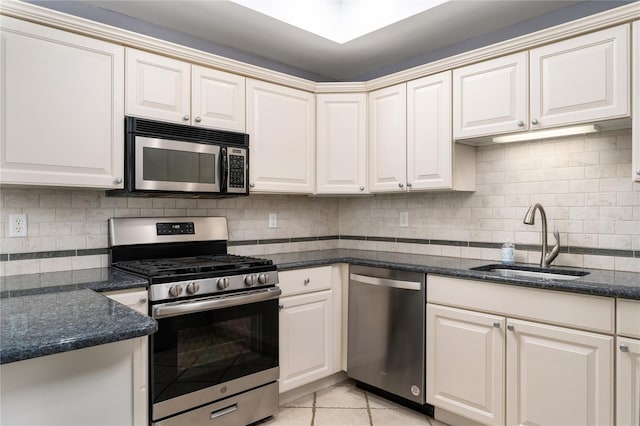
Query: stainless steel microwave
x=174, y=160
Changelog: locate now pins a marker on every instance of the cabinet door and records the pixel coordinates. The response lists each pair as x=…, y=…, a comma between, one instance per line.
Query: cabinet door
x=429, y=150
x=281, y=125
x=217, y=99
x=491, y=97
x=388, y=139
x=558, y=376
x=342, y=143
x=306, y=336
x=635, y=122
x=158, y=87
x=581, y=79
x=465, y=363
x=628, y=382
x=62, y=108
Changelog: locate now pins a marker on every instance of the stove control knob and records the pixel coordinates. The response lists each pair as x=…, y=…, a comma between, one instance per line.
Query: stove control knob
x=193, y=287
x=175, y=290
x=262, y=278
x=223, y=283
x=250, y=280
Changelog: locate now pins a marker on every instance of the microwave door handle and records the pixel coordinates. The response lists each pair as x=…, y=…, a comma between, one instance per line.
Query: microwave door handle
x=223, y=166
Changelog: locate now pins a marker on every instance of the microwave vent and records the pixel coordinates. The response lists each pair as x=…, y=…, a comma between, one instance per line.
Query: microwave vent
x=183, y=132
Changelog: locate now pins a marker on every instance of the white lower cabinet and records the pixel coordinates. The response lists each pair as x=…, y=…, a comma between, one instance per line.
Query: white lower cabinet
x=628, y=382
x=310, y=321
x=496, y=369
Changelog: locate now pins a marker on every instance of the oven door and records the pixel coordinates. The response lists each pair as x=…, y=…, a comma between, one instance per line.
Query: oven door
x=169, y=165
x=212, y=348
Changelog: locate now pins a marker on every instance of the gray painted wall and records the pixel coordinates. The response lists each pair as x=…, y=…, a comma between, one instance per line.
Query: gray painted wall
x=108, y=17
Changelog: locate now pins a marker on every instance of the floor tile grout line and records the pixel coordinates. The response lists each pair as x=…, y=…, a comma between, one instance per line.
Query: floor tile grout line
x=366, y=398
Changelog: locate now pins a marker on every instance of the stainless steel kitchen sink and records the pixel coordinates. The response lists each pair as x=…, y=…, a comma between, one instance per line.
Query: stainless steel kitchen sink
x=531, y=271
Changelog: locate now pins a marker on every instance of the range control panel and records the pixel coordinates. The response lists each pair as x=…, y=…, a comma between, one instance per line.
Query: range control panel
x=175, y=228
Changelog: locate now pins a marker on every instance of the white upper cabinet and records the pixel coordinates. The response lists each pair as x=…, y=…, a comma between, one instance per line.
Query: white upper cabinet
x=635, y=84
x=167, y=89
x=341, y=143
x=388, y=139
x=581, y=79
x=578, y=80
x=62, y=110
x=491, y=97
x=281, y=127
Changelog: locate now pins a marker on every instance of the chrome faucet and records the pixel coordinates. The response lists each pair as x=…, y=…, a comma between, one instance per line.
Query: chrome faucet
x=529, y=219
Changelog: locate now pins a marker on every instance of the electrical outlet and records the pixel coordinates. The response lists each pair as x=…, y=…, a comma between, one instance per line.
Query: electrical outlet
x=273, y=220
x=404, y=219
x=17, y=225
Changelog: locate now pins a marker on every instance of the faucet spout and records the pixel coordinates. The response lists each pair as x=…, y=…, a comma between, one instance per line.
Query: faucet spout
x=546, y=256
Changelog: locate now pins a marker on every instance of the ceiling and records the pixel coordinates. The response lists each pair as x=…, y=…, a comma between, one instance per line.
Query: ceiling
x=226, y=23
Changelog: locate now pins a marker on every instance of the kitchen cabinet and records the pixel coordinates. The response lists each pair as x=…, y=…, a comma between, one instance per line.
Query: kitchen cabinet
x=410, y=146
x=628, y=363
x=500, y=355
x=635, y=84
x=168, y=89
x=491, y=97
x=341, y=143
x=62, y=108
x=281, y=127
x=309, y=327
x=137, y=300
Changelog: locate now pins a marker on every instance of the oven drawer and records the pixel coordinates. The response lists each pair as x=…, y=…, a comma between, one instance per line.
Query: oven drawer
x=241, y=409
x=306, y=280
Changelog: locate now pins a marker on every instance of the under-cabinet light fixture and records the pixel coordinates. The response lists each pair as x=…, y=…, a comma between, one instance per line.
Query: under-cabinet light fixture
x=548, y=133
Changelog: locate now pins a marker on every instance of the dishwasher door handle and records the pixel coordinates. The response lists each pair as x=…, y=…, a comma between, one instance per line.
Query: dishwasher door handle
x=386, y=282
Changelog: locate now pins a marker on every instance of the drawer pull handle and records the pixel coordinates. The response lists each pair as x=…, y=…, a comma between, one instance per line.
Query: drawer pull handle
x=307, y=281
x=223, y=411
x=624, y=348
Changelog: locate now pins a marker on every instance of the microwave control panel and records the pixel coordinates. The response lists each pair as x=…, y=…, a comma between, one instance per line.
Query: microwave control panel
x=237, y=170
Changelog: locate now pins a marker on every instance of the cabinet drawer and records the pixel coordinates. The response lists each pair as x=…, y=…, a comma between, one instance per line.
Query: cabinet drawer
x=628, y=320
x=136, y=299
x=304, y=280
x=593, y=313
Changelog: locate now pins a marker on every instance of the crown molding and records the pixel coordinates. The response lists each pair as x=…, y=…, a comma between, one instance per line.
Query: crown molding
x=78, y=25
x=41, y=15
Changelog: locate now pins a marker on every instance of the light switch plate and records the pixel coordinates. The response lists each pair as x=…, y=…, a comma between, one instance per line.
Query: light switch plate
x=273, y=220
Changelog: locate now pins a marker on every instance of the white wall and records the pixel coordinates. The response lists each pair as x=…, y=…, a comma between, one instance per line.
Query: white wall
x=584, y=183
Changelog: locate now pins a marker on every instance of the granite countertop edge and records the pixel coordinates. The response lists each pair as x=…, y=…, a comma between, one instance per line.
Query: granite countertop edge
x=597, y=282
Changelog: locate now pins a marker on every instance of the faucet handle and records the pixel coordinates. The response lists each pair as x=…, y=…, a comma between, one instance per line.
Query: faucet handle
x=550, y=257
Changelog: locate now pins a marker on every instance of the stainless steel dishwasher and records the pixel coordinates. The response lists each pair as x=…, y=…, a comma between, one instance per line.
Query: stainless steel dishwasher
x=386, y=341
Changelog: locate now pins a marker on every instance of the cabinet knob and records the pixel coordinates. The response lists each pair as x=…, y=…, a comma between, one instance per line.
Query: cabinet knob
x=362, y=187
x=118, y=180
x=186, y=117
x=252, y=185
x=534, y=121
x=142, y=301
x=307, y=281
x=496, y=324
x=510, y=327
x=400, y=184
x=280, y=307
x=408, y=184
x=624, y=348
x=520, y=123
x=198, y=119
x=638, y=172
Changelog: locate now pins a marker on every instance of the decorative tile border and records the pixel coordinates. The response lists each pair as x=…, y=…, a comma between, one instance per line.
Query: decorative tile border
x=527, y=247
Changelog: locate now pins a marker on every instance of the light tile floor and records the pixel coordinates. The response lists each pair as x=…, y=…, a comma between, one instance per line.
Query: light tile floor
x=345, y=404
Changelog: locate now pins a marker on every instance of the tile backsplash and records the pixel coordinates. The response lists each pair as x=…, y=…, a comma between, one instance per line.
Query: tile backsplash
x=584, y=184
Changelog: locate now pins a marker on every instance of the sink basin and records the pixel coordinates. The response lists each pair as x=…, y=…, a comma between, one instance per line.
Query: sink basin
x=531, y=271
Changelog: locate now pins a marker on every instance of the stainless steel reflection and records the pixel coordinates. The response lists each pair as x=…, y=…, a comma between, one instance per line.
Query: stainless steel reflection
x=386, y=341
x=214, y=393
x=172, y=309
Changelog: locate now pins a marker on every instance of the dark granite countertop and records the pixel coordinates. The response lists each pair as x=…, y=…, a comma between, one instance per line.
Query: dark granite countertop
x=98, y=279
x=596, y=282
x=49, y=323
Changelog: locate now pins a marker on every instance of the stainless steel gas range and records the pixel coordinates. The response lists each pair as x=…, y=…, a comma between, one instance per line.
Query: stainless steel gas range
x=214, y=359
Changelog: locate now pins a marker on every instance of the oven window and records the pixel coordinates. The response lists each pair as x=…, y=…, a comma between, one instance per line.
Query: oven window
x=168, y=165
x=194, y=351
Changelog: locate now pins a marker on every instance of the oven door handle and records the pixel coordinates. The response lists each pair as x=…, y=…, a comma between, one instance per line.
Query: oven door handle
x=216, y=302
